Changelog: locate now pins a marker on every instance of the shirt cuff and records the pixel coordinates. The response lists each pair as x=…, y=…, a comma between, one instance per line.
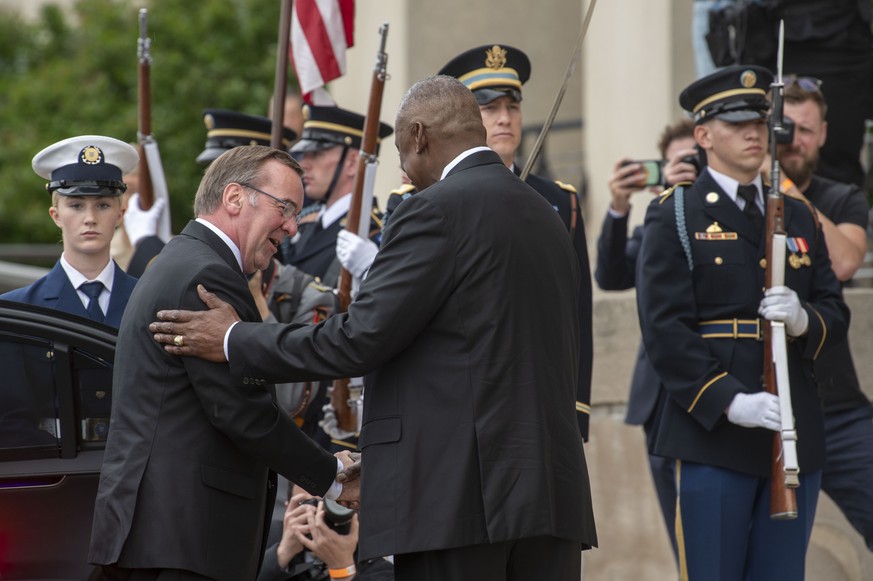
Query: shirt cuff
x=227, y=340
x=337, y=487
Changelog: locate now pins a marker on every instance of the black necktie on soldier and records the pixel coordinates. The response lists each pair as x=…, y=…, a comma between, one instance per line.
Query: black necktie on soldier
x=93, y=290
x=750, y=194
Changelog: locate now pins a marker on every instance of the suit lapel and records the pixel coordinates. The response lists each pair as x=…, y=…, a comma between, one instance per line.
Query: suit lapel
x=122, y=287
x=197, y=230
x=58, y=293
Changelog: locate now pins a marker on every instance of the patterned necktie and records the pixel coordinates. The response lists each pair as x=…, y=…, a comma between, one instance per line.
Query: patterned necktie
x=750, y=195
x=93, y=290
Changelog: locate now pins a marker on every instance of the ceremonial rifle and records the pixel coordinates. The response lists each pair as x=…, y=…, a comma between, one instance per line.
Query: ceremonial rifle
x=281, y=77
x=152, y=182
x=347, y=393
x=144, y=110
x=784, y=470
x=538, y=145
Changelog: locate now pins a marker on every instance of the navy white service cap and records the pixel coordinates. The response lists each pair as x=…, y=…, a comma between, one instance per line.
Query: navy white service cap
x=87, y=165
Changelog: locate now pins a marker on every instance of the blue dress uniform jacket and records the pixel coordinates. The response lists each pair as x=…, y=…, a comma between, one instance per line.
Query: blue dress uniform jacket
x=55, y=291
x=187, y=480
x=469, y=433
x=701, y=375
x=564, y=200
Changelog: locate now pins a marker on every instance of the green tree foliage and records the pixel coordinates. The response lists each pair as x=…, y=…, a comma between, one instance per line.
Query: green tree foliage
x=75, y=72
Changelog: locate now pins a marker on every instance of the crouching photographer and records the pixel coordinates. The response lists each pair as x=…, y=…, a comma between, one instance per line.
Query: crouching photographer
x=319, y=540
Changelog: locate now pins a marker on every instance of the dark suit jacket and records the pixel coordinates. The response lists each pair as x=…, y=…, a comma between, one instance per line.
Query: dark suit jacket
x=565, y=202
x=469, y=433
x=185, y=482
x=616, y=270
x=701, y=376
x=55, y=291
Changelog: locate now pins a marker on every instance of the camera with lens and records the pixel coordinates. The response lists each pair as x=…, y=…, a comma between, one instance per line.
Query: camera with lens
x=337, y=517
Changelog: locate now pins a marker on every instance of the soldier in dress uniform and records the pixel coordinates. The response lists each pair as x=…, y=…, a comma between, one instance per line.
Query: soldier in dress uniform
x=85, y=182
x=328, y=153
x=700, y=280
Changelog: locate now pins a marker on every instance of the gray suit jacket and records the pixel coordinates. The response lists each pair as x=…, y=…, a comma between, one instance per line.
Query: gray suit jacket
x=186, y=480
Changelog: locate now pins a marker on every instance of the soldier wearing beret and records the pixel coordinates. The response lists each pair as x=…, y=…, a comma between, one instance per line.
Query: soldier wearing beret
x=702, y=306
x=85, y=183
x=328, y=153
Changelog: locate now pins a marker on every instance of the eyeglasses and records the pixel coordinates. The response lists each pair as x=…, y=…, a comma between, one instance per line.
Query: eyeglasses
x=809, y=84
x=287, y=208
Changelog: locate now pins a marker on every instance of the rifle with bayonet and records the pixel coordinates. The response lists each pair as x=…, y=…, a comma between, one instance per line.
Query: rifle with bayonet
x=784, y=474
x=346, y=395
x=144, y=110
x=152, y=182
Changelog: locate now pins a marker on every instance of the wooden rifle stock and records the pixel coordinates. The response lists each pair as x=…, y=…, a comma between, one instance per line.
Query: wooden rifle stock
x=144, y=132
x=783, y=500
x=346, y=416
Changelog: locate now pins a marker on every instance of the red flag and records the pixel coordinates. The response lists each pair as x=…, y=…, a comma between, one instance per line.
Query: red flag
x=321, y=31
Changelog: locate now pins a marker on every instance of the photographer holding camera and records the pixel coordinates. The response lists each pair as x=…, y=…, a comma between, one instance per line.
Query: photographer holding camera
x=319, y=540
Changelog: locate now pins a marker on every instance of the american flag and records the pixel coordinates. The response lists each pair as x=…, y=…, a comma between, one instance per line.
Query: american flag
x=321, y=31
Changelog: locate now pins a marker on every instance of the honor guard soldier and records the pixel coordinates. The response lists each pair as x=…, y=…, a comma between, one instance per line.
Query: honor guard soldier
x=328, y=153
x=85, y=182
x=227, y=129
x=495, y=74
x=700, y=284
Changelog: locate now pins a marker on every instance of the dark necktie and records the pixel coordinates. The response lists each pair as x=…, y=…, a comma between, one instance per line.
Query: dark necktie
x=93, y=290
x=750, y=195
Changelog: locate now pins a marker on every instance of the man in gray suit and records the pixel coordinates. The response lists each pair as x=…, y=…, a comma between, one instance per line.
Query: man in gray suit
x=188, y=483
x=473, y=466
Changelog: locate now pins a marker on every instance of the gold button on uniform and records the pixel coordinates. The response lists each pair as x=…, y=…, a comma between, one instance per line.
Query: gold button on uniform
x=763, y=263
x=712, y=197
x=719, y=260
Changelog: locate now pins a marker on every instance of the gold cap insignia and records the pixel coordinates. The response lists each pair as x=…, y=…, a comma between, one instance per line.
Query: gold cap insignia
x=209, y=121
x=307, y=114
x=748, y=79
x=714, y=227
x=495, y=57
x=712, y=197
x=91, y=155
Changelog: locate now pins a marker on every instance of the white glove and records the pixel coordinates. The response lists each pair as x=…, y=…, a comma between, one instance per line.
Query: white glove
x=356, y=254
x=139, y=223
x=329, y=424
x=780, y=303
x=755, y=410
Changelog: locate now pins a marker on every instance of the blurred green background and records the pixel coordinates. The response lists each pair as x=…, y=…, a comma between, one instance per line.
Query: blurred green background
x=71, y=73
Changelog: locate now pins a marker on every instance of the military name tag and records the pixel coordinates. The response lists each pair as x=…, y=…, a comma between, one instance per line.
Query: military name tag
x=715, y=235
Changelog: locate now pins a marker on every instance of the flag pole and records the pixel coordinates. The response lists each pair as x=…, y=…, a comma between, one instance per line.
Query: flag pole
x=281, y=80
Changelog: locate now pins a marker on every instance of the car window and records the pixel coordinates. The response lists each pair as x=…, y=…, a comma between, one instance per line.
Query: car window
x=54, y=398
